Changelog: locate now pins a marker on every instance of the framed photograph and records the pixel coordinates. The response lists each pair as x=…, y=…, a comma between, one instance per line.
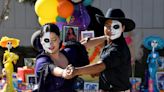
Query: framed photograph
x=160, y=80
x=31, y=79
x=29, y=62
x=91, y=86
x=161, y=66
x=135, y=81
x=85, y=34
x=70, y=33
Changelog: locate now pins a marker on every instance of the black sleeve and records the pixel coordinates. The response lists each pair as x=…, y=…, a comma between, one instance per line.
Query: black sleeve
x=112, y=59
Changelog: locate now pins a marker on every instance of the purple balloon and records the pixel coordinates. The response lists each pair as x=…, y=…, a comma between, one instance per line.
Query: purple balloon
x=80, y=17
x=60, y=25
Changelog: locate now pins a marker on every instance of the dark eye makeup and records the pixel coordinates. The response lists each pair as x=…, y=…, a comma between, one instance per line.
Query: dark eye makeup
x=116, y=26
x=46, y=40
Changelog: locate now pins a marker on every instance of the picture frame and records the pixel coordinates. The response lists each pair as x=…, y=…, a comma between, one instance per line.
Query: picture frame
x=161, y=66
x=31, y=79
x=91, y=86
x=70, y=33
x=135, y=81
x=160, y=80
x=85, y=34
x=29, y=62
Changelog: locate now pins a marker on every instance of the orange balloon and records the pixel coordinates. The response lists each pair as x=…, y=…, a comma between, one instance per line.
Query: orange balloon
x=43, y=21
x=65, y=9
x=61, y=0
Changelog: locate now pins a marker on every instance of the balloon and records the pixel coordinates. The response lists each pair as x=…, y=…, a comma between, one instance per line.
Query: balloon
x=87, y=2
x=60, y=19
x=60, y=25
x=68, y=19
x=94, y=25
x=46, y=8
x=80, y=17
x=65, y=9
x=43, y=21
x=61, y=1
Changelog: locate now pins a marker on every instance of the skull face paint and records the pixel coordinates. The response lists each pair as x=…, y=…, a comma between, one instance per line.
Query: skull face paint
x=9, y=45
x=113, y=29
x=154, y=43
x=50, y=42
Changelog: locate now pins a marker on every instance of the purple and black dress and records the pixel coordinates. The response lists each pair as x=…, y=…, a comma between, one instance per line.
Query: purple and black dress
x=50, y=83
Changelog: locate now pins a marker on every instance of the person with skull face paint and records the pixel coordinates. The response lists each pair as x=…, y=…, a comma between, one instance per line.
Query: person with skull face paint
x=114, y=65
x=52, y=62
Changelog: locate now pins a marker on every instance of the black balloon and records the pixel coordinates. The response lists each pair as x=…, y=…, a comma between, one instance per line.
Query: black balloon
x=94, y=25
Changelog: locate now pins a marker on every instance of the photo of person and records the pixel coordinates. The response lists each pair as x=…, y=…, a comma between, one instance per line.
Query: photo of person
x=89, y=34
x=160, y=82
x=135, y=81
x=161, y=85
x=31, y=79
x=70, y=33
x=161, y=66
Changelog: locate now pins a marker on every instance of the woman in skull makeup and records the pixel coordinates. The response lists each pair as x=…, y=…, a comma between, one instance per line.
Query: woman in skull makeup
x=51, y=63
x=114, y=65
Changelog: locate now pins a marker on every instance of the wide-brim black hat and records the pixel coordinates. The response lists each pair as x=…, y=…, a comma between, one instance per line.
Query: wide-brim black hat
x=116, y=14
x=35, y=41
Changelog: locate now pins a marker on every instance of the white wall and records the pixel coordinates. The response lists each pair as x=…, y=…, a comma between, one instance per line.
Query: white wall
x=21, y=24
x=148, y=15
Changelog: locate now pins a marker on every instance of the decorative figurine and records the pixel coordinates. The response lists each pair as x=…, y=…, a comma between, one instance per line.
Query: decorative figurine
x=153, y=43
x=9, y=58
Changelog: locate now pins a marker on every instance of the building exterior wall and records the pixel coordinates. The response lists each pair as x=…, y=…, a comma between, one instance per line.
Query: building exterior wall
x=147, y=14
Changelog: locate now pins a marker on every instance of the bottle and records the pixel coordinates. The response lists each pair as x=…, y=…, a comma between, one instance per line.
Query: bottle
x=15, y=81
x=19, y=81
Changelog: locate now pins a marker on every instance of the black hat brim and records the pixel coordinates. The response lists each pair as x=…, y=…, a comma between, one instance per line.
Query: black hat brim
x=129, y=24
x=35, y=41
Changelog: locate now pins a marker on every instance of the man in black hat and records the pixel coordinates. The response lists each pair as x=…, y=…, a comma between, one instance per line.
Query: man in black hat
x=114, y=65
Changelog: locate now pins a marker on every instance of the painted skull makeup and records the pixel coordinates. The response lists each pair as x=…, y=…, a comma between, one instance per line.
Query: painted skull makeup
x=154, y=43
x=47, y=43
x=9, y=45
x=49, y=38
x=115, y=28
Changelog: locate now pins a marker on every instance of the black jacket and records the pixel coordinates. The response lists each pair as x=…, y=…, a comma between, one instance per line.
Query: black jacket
x=117, y=59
